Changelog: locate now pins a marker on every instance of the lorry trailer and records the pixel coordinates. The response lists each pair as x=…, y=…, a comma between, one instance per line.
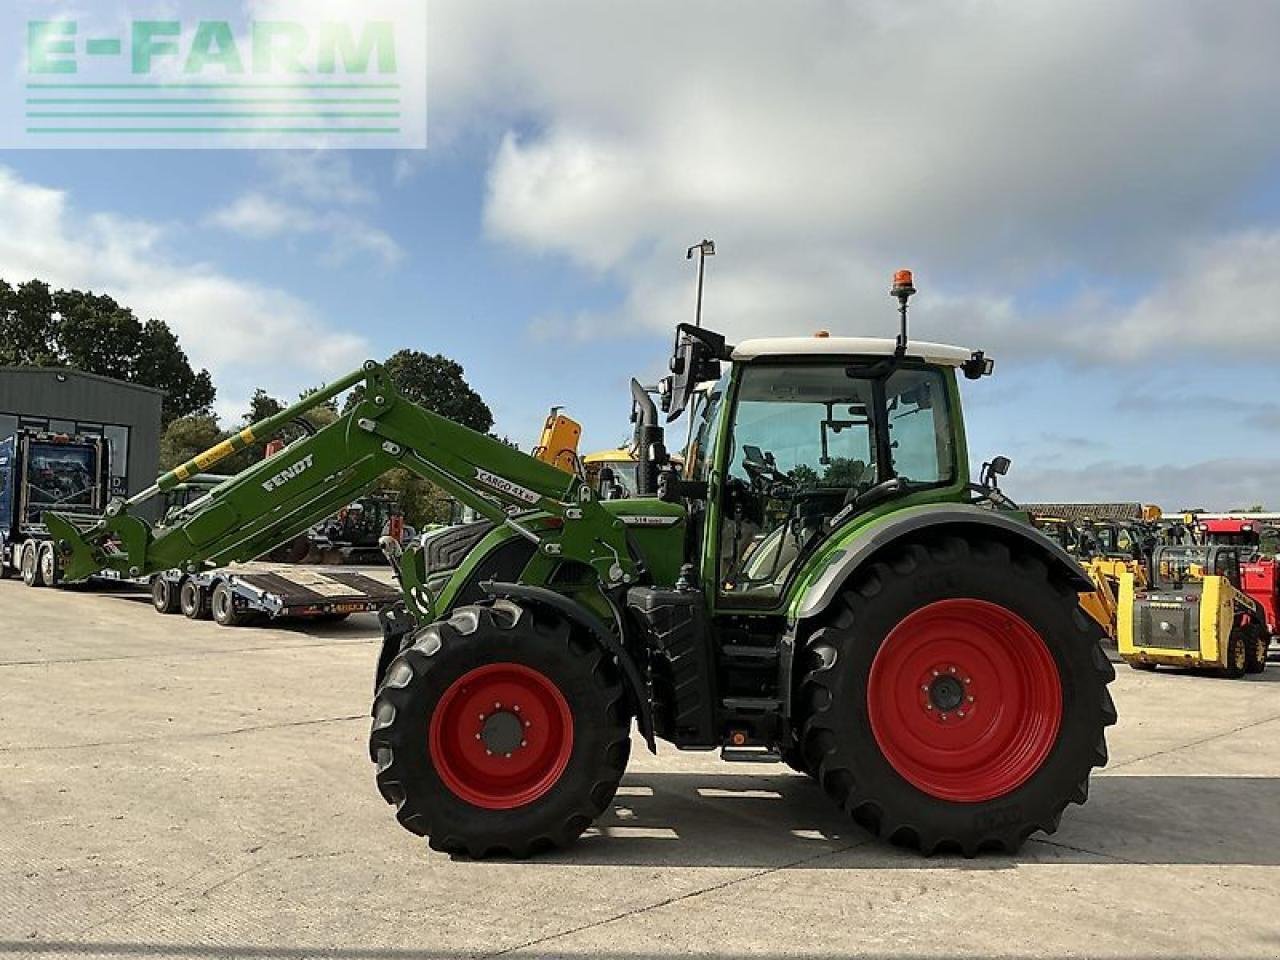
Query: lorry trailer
x=47, y=471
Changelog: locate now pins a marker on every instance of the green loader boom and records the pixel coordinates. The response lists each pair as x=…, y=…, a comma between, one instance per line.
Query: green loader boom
x=254, y=511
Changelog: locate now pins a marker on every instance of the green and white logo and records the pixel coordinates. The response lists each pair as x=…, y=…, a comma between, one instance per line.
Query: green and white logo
x=219, y=73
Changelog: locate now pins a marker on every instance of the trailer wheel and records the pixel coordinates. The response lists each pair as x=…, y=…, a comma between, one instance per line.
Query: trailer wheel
x=32, y=571
x=500, y=730
x=223, y=606
x=193, y=600
x=1143, y=665
x=49, y=569
x=6, y=570
x=165, y=594
x=1257, y=646
x=957, y=698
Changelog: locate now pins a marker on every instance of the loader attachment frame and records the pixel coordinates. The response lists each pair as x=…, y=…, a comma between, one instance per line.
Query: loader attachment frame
x=277, y=498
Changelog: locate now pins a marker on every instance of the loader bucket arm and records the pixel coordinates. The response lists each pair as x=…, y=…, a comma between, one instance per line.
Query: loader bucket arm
x=269, y=503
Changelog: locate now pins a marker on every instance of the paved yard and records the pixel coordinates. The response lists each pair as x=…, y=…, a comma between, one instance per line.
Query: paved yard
x=177, y=789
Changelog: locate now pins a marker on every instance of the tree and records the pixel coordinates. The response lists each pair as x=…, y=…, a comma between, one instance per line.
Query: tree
x=93, y=333
x=437, y=383
x=185, y=437
x=261, y=406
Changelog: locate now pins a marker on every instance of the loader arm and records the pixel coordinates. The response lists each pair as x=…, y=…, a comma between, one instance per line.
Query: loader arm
x=267, y=504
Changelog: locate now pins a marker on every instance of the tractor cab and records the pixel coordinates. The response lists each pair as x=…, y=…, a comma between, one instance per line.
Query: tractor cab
x=793, y=438
x=802, y=434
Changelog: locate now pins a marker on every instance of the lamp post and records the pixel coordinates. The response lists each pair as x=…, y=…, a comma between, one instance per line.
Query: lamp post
x=707, y=248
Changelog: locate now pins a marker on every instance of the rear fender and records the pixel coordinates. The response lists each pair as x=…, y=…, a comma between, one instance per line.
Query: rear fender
x=863, y=545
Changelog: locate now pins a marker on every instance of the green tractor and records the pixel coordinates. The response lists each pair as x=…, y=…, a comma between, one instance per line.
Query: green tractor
x=819, y=583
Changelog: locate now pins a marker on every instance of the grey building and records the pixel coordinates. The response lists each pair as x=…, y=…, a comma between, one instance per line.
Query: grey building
x=59, y=400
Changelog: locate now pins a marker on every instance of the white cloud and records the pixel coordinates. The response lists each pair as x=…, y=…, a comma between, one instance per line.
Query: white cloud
x=822, y=145
x=320, y=176
x=247, y=334
x=1218, y=484
x=256, y=215
x=260, y=217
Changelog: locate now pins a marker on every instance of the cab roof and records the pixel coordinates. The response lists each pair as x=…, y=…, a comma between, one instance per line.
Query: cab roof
x=939, y=353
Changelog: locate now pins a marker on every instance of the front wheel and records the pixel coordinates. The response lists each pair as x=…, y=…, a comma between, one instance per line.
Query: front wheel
x=1257, y=646
x=499, y=730
x=956, y=698
x=32, y=568
x=1237, y=656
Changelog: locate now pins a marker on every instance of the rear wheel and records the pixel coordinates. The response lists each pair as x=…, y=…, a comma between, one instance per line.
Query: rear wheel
x=49, y=569
x=956, y=698
x=164, y=594
x=32, y=570
x=1257, y=645
x=222, y=604
x=193, y=600
x=499, y=730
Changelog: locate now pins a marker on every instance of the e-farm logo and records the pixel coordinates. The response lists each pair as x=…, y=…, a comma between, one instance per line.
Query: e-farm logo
x=274, y=73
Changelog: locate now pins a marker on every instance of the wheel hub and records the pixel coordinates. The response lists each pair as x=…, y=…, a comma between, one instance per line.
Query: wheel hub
x=502, y=733
x=501, y=736
x=964, y=700
x=946, y=692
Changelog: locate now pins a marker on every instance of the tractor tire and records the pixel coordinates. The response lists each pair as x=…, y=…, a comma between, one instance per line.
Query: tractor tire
x=6, y=569
x=32, y=570
x=793, y=757
x=461, y=770
x=1237, y=656
x=223, y=607
x=1257, y=646
x=50, y=570
x=164, y=595
x=956, y=696
x=193, y=601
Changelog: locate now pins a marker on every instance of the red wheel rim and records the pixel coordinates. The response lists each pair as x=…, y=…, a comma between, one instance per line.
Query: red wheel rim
x=501, y=736
x=965, y=700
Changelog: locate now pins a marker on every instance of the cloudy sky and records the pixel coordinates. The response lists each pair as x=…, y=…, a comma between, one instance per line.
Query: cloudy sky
x=1088, y=191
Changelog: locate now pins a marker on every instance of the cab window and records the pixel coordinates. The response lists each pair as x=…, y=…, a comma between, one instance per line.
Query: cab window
x=807, y=441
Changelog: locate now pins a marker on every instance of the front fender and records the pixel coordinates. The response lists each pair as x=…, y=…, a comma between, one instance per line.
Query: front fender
x=931, y=518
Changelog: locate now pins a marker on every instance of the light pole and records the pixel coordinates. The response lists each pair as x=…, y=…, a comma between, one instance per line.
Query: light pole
x=707, y=248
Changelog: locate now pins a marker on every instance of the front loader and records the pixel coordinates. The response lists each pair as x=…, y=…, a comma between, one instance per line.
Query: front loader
x=818, y=582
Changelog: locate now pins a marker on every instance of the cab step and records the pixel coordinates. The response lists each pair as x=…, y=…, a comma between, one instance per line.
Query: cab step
x=750, y=754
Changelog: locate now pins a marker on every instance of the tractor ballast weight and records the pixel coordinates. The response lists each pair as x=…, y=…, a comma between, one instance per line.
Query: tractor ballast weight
x=815, y=583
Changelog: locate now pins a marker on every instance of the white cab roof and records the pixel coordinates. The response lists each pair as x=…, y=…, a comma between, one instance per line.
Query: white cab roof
x=939, y=353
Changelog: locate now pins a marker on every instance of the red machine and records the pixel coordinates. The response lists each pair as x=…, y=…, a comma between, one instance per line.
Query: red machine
x=1259, y=573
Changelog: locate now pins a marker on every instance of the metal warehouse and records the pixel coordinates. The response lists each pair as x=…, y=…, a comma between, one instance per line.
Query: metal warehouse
x=59, y=400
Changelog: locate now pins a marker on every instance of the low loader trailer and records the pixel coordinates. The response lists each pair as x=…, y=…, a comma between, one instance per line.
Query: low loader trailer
x=819, y=582
x=249, y=594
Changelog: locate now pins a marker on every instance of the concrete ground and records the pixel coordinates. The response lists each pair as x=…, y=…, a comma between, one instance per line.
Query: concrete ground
x=177, y=789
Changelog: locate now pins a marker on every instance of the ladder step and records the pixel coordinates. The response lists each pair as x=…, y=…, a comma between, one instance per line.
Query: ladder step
x=750, y=754
x=739, y=651
x=752, y=704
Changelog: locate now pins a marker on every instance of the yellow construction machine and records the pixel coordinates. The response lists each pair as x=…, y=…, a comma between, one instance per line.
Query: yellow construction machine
x=558, y=444
x=1193, y=613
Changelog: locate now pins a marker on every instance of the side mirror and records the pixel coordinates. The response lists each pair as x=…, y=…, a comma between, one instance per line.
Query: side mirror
x=992, y=469
x=695, y=357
